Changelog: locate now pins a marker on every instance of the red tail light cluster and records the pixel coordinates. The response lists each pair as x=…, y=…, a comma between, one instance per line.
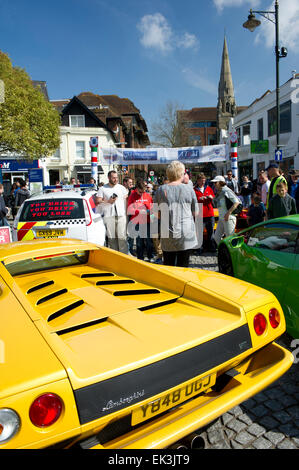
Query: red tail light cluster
x=45, y=410
x=260, y=321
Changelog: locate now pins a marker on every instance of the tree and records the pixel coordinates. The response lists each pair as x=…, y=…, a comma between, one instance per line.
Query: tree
x=29, y=124
x=168, y=131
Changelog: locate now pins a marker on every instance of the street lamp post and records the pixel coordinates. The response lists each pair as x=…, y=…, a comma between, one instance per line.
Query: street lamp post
x=253, y=23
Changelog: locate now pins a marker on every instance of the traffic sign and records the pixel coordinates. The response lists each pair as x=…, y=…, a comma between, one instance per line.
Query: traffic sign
x=278, y=155
x=93, y=142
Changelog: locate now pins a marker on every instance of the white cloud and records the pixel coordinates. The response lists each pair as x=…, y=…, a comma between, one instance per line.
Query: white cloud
x=288, y=26
x=221, y=4
x=156, y=33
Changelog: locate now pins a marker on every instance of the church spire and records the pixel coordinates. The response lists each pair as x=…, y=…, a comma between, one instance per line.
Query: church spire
x=226, y=107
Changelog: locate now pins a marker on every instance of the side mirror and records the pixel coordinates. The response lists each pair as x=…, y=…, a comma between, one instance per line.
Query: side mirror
x=237, y=242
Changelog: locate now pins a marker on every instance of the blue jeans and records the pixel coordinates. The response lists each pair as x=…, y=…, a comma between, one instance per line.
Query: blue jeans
x=4, y=222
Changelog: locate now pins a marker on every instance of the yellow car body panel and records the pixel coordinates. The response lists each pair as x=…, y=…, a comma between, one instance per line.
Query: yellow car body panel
x=121, y=340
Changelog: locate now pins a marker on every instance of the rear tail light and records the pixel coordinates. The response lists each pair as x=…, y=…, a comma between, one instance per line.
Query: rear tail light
x=45, y=410
x=274, y=317
x=9, y=424
x=259, y=324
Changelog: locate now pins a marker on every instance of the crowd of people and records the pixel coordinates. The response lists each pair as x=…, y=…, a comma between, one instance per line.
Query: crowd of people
x=164, y=223
x=162, y=219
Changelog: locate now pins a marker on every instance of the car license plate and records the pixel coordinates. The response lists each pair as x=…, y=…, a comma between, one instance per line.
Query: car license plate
x=171, y=399
x=50, y=233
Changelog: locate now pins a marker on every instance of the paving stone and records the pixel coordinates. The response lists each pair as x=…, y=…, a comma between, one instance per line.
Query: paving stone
x=262, y=443
x=250, y=403
x=256, y=430
x=294, y=412
x=289, y=430
x=236, y=425
x=260, y=397
x=259, y=410
x=221, y=445
x=236, y=411
x=274, y=405
x=286, y=444
x=236, y=445
x=287, y=400
x=244, y=438
x=230, y=434
x=274, y=437
x=245, y=418
x=274, y=392
x=226, y=418
x=216, y=436
x=269, y=422
x=282, y=416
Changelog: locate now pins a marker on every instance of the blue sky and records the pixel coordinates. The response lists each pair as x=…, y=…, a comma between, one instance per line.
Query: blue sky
x=150, y=51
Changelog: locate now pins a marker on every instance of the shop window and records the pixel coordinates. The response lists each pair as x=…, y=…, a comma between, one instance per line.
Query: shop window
x=260, y=129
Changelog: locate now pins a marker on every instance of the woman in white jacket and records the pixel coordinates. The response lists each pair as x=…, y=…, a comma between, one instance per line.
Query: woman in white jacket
x=227, y=202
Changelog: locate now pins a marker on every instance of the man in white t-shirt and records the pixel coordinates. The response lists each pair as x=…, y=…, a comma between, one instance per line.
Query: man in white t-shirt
x=265, y=187
x=110, y=200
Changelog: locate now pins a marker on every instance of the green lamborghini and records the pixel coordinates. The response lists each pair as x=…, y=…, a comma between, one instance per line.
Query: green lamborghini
x=267, y=255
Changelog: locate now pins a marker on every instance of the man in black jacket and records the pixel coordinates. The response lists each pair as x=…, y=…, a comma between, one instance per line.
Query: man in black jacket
x=3, y=209
x=22, y=193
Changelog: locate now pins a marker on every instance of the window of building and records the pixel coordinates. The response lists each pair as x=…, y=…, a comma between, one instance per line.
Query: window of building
x=194, y=140
x=260, y=129
x=56, y=155
x=212, y=139
x=77, y=121
x=246, y=134
x=285, y=119
x=191, y=124
x=80, y=150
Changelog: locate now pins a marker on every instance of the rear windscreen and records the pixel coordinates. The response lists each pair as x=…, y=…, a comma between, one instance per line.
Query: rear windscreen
x=52, y=209
x=42, y=263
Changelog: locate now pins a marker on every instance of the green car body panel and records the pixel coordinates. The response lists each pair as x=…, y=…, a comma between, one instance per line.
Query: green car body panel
x=247, y=256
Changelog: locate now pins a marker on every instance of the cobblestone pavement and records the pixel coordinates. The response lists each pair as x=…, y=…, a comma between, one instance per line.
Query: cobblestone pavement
x=269, y=420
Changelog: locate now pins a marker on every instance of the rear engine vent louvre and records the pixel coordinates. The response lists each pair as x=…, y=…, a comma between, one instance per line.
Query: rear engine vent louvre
x=84, y=276
x=120, y=293
x=65, y=310
x=79, y=327
x=113, y=282
x=51, y=296
x=39, y=286
x=157, y=305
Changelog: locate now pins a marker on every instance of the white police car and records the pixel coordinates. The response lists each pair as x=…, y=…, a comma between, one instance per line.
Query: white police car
x=60, y=212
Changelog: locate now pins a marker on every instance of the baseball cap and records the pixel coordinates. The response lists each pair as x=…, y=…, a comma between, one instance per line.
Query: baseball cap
x=218, y=178
x=294, y=172
x=272, y=165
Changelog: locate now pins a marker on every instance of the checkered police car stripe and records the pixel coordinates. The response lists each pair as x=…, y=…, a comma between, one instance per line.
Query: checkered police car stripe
x=67, y=222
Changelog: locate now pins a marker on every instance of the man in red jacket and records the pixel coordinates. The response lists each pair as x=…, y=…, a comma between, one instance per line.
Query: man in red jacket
x=205, y=196
x=139, y=210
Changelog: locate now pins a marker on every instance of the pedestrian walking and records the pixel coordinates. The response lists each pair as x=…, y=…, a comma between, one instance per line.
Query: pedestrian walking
x=281, y=204
x=246, y=191
x=139, y=211
x=231, y=182
x=177, y=206
x=205, y=196
x=227, y=202
x=111, y=199
x=22, y=194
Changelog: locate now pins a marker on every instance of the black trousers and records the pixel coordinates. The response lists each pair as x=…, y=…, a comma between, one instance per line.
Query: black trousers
x=176, y=258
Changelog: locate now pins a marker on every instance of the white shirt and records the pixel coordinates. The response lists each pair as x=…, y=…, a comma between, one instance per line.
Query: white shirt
x=264, y=191
x=116, y=208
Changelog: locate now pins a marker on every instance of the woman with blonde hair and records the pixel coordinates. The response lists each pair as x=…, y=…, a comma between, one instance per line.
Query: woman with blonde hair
x=177, y=204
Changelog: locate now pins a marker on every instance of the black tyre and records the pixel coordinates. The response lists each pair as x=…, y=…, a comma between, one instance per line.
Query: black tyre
x=225, y=264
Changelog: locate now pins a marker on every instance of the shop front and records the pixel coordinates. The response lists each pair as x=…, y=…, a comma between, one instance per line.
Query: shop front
x=83, y=173
x=13, y=170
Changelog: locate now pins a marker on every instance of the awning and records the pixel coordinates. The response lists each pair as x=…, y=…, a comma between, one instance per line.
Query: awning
x=87, y=169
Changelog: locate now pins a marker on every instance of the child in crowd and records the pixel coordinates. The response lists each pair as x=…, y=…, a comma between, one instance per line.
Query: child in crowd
x=282, y=203
x=256, y=211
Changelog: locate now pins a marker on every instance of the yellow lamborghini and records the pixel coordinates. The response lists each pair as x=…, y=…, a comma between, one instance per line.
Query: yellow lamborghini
x=99, y=350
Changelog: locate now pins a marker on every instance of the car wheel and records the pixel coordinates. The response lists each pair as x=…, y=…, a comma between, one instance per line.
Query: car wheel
x=225, y=264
